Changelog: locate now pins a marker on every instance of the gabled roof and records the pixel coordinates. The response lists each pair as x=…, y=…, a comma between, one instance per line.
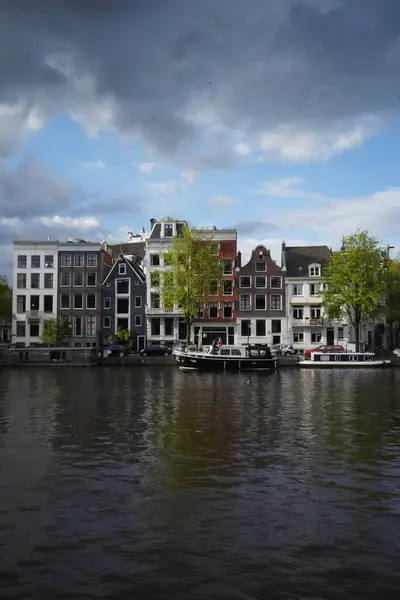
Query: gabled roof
x=298, y=259
x=135, y=268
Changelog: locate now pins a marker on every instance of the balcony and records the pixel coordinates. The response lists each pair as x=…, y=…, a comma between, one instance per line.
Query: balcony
x=163, y=311
x=34, y=315
x=308, y=322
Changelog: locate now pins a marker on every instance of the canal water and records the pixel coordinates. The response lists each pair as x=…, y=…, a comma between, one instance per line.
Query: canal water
x=150, y=483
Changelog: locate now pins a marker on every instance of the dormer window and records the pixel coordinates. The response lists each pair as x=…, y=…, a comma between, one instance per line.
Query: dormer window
x=168, y=230
x=122, y=269
x=314, y=270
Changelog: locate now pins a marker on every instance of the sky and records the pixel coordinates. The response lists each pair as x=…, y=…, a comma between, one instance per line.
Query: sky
x=279, y=118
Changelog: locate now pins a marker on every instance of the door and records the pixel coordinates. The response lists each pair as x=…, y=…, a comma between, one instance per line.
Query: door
x=330, y=336
x=276, y=339
x=140, y=342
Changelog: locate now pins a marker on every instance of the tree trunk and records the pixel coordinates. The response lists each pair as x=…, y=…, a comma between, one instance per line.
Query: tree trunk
x=357, y=332
x=188, y=325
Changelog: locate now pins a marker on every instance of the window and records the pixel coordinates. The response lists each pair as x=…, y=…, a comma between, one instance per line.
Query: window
x=260, y=327
x=225, y=352
x=245, y=328
x=298, y=337
x=78, y=301
x=91, y=301
x=315, y=312
x=168, y=326
x=49, y=261
x=122, y=323
x=48, y=304
x=91, y=325
x=179, y=229
x=155, y=326
x=65, y=260
x=78, y=260
x=106, y=322
x=276, y=326
x=200, y=314
x=21, y=329
x=35, y=261
x=154, y=260
x=276, y=302
x=35, y=280
x=315, y=289
x=213, y=310
x=77, y=326
x=228, y=267
x=168, y=229
x=245, y=281
x=297, y=289
x=21, y=281
x=122, y=269
x=213, y=291
x=261, y=303
x=261, y=266
x=21, y=304
x=122, y=286
x=261, y=282
x=34, y=329
x=316, y=337
x=65, y=279
x=107, y=303
x=91, y=260
x=138, y=301
x=138, y=320
x=78, y=279
x=77, y=344
x=21, y=261
x=276, y=283
x=64, y=302
x=48, y=280
x=228, y=288
x=298, y=312
x=245, y=302
x=91, y=278
x=35, y=302
x=122, y=306
x=154, y=300
x=228, y=310
x=315, y=271
x=155, y=279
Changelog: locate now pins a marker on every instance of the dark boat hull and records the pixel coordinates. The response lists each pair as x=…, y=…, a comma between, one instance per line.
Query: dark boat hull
x=220, y=363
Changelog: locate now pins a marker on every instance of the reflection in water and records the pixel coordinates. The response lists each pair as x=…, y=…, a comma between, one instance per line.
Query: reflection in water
x=162, y=484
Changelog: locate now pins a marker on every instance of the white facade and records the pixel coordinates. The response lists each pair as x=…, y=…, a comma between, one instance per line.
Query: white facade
x=35, y=269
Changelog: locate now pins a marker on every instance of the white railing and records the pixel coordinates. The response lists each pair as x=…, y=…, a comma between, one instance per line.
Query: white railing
x=34, y=314
x=307, y=322
x=163, y=311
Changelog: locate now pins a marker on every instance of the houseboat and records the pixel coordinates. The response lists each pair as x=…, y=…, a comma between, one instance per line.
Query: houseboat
x=226, y=358
x=341, y=360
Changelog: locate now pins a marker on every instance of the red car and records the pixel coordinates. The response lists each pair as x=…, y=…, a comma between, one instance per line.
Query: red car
x=324, y=349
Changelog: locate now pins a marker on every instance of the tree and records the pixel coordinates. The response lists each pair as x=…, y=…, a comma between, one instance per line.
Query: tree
x=194, y=267
x=5, y=301
x=54, y=330
x=354, y=280
x=121, y=336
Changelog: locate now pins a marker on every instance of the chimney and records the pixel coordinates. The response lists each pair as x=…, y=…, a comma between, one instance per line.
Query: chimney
x=49, y=238
x=283, y=246
x=239, y=260
x=152, y=221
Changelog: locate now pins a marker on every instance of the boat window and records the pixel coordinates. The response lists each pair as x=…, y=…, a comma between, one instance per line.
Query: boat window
x=225, y=352
x=236, y=352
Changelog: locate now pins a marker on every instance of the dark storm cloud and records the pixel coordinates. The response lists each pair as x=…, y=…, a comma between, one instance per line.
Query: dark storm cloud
x=257, y=65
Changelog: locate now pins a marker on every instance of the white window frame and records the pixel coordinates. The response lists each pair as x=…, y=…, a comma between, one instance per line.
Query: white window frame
x=255, y=302
x=106, y=319
x=68, y=275
x=140, y=301
x=225, y=261
x=73, y=301
x=122, y=269
x=22, y=264
x=74, y=325
x=298, y=334
x=91, y=317
x=240, y=302
x=68, y=262
x=89, y=258
x=297, y=285
x=315, y=308
x=151, y=259
x=95, y=302
x=316, y=334
x=225, y=305
x=140, y=320
x=69, y=302
x=83, y=278
x=245, y=287
x=275, y=277
x=260, y=287
x=261, y=262
x=49, y=276
x=76, y=263
x=92, y=285
x=314, y=270
x=223, y=287
x=281, y=303
x=46, y=263
x=295, y=309
x=316, y=293
x=107, y=300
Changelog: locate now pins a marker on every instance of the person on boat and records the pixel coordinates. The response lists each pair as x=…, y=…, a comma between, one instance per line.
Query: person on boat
x=220, y=343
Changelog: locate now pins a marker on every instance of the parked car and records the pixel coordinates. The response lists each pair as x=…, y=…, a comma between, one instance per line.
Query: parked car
x=115, y=350
x=282, y=350
x=322, y=349
x=156, y=350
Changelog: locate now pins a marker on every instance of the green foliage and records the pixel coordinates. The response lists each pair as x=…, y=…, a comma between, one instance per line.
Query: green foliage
x=194, y=265
x=392, y=304
x=121, y=336
x=5, y=301
x=54, y=330
x=354, y=280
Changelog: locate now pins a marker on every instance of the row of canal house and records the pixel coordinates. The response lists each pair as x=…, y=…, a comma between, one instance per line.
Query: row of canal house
x=98, y=288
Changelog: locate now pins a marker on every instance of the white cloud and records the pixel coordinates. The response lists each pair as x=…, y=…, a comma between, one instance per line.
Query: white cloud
x=308, y=143
x=284, y=188
x=79, y=223
x=222, y=201
x=242, y=149
x=96, y=164
x=146, y=167
x=189, y=176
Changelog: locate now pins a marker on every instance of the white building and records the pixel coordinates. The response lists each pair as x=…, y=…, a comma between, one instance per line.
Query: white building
x=34, y=289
